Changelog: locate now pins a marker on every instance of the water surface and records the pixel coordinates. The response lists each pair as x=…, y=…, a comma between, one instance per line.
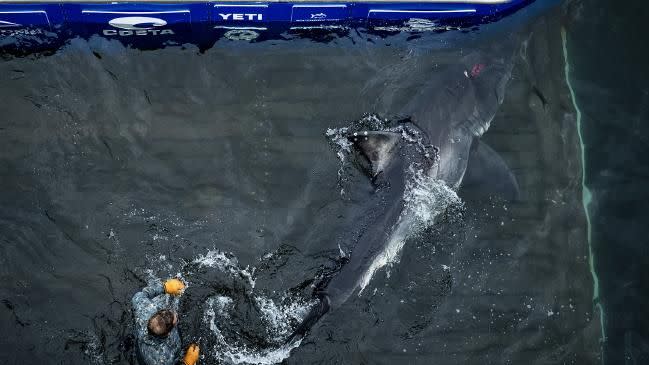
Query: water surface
x=120, y=166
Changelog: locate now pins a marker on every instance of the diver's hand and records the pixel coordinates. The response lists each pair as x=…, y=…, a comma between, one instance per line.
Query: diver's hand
x=174, y=286
x=191, y=356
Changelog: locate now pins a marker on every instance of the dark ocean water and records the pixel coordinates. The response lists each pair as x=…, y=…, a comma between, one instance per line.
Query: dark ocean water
x=610, y=79
x=119, y=166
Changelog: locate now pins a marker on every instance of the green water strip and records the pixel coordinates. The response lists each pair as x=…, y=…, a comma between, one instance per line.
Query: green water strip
x=585, y=192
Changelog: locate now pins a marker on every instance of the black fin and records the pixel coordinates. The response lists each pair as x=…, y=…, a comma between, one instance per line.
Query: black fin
x=376, y=147
x=314, y=315
x=488, y=175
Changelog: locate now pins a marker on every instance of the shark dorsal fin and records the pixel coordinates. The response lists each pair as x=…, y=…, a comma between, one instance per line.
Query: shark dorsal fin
x=377, y=147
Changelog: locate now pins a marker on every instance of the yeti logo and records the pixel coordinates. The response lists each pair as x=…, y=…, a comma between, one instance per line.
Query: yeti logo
x=257, y=17
x=137, y=25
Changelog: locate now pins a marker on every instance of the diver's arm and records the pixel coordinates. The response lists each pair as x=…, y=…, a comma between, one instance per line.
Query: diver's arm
x=144, y=296
x=172, y=286
x=153, y=290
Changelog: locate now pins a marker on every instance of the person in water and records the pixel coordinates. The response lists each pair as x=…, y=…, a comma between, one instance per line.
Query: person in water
x=156, y=317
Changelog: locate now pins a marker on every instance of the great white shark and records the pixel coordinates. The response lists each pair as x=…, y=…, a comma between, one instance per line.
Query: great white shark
x=437, y=140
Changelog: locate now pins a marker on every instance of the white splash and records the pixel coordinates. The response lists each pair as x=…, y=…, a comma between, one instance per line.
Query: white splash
x=338, y=136
x=277, y=317
x=93, y=350
x=413, y=136
x=221, y=305
x=221, y=261
x=342, y=253
x=424, y=199
x=217, y=259
x=262, y=357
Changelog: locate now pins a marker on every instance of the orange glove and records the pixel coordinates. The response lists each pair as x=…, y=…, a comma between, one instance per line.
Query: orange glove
x=191, y=356
x=174, y=286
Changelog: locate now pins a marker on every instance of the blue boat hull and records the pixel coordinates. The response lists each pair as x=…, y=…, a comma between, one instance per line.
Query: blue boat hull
x=32, y=26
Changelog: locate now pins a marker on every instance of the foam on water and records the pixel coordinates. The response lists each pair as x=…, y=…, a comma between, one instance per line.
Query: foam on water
x=226, y=263
x=221, y=305
x=424, y=199
x=338, y=136
x=277, y=318
x=94, y=351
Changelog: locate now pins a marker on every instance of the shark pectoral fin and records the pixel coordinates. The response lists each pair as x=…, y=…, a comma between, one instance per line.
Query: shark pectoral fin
x=376, y=148
x=488, y=175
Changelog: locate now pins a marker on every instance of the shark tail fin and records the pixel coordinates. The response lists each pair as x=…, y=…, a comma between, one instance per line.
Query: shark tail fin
x=317, y=311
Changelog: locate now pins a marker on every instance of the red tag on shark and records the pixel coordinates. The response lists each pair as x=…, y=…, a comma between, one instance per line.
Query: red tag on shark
x=477, y=69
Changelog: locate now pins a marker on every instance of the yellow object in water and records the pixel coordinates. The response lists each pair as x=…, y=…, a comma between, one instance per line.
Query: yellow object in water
x=174, y=286
x=191, y=356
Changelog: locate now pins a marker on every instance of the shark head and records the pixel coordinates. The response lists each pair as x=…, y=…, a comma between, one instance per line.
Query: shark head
x=455, y=106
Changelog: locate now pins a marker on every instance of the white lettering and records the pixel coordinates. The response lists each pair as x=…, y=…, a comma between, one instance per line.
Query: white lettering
x=253, y=16
x=20, y=32
x=139, y=32
x=242, y=16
